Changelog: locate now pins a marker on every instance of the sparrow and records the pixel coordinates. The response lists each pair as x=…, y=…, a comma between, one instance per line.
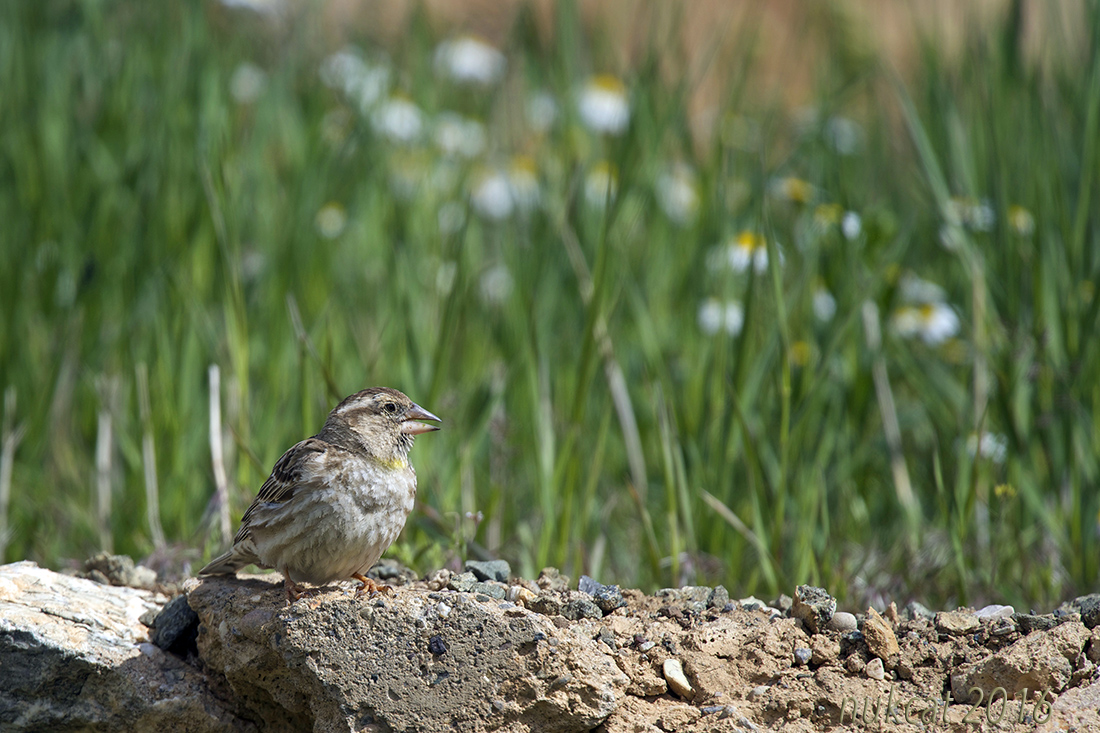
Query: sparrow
x=334, y=502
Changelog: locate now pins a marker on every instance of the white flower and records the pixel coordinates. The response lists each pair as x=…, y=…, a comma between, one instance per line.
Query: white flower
x=793, y=189
x=398, y=119
x=824, y=304
x=469, y=60
x=991, y=446
x=916, y=290
x=247, y=82
x=524, y=183
x=715, y=315
x=603, y=105
x=844, y=135
x=451, y=216
x=458, y=136
x=677, y=195
x=496, y=284
x=977, y=215
x=363, y=83
x=745, y=250
x=601, y=185
x=933, y=323
x=331, y=220
x=851, y=225
x=492, y=196
x=542, y=111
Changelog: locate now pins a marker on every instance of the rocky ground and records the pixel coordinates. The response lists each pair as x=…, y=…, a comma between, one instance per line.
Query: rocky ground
x=483, y=650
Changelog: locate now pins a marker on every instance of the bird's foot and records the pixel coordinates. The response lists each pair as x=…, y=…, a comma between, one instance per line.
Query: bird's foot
x=371, y=586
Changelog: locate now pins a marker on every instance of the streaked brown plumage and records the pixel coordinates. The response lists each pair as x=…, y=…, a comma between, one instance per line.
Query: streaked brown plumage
x=336, y=501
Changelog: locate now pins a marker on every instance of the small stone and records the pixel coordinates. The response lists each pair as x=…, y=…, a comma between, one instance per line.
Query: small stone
x=719, y=597
x=752, y=603
x=916, y=610
x=994, y=612
x=606, y=597
x=813, y=606
x=436, y=646
x=854, y=664
x=891, y=615
x=802, y=655
x=825, y=650
x=109, y=569
x=463, y=582
x=1028, y=622
x=957, y=623
x=492, y=590
x=545, y=603
x=440, y=579
x=874, y=670
x=843, y=622
x=579, y=608
x=758, y=692
x=497, y=570
x=784, y=603
x=552, y=579
x=881, y=640
x=176, y=628
x=676, y=679
x=1088, y=606
x=519, y=594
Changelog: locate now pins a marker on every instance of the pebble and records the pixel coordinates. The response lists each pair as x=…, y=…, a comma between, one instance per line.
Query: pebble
x=545, y=603
x=552, y=579
x=752, y=603
x=875, y=670
x=606, y=597
x=490, y=589
x=1029, y=622
x=881, y=640
x=916, y=610
x=497, y=570
x=519, y=594
x=843, y=621
x=813, y=606
x=677, y=681
x=758, y=692
x=463, y=582
x=957, y=623
x=579, y=608
x=802, y=655
x=995, y=612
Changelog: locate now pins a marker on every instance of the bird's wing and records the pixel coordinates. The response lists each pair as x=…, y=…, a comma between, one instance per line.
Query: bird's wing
x=288, y=475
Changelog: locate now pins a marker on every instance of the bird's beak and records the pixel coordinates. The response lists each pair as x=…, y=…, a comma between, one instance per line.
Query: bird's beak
x=410, y=426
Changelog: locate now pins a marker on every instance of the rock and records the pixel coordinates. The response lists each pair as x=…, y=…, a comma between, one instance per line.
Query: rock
x=552, y=579
x=875, y=670
x=1037, y=662
x=1028, y=622
x=337, y=663
x=677, y=681
x=579, y=606
x=77, y=649
x=880, y=638
x=118, y=570
x=994, y=612
x=176, y=627
x=1074, y=710
x=915, y=610
x=784, y=603
x=814, y=607
x=752, y=603
x=843, y=622
x=802, y=655
x=825, y=650
x=491, y=589
x=463, y=582
x=606, y=597
x=1088, y=606
x=498, y=570
x=519, y=594
x=957, y=623
x=548, y=604
x=719, y=597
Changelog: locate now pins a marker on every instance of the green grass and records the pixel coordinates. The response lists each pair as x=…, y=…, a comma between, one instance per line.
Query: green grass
x=152, y=223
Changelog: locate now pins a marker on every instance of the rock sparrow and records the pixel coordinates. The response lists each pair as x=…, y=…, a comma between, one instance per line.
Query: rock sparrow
x=334, y=502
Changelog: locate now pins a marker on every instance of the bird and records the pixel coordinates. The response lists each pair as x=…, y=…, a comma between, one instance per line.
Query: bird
x=334, y=502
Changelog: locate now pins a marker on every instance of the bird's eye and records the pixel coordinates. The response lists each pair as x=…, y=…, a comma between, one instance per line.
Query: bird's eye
x=390, y=407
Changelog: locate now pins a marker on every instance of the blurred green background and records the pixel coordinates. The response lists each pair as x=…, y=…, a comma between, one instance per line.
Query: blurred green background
x=692, y=311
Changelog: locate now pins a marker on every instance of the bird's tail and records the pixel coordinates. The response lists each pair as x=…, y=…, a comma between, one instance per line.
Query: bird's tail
x=239, y=555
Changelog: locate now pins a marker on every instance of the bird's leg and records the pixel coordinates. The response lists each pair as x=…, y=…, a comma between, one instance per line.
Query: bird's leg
x=293, y=590
x=370, y=585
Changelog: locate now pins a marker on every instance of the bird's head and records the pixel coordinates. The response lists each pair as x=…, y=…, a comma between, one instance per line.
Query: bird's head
x=381, y=420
